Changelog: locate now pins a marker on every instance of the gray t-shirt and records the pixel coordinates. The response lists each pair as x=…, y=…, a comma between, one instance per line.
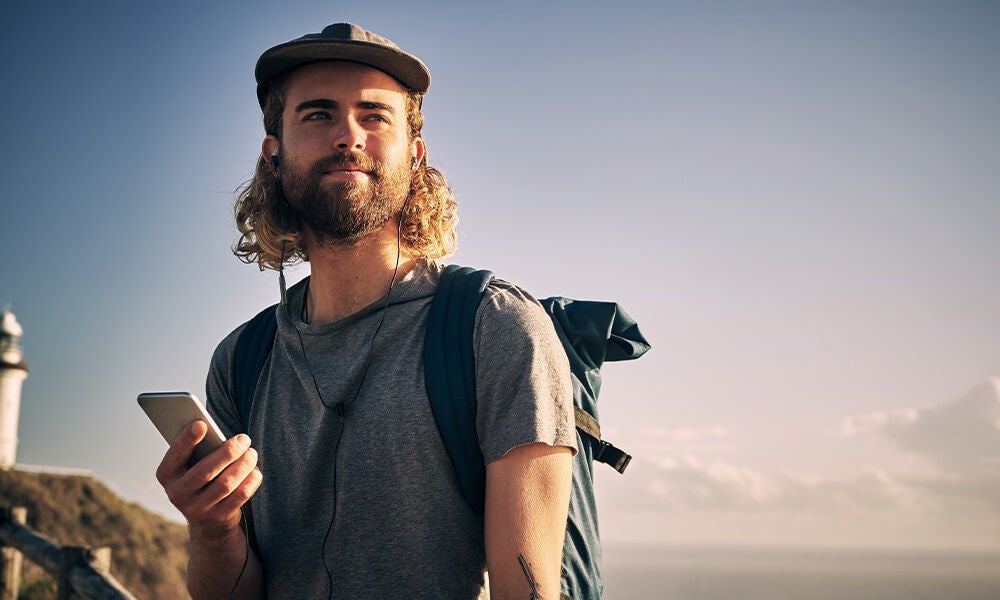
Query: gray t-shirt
x=379, y=503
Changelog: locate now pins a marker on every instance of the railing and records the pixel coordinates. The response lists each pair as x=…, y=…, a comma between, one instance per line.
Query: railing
x=80, y=572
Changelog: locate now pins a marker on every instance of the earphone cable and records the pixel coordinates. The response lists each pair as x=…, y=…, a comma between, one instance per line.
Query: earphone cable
x=340, y=406
x=329, y=527
x=246, y=555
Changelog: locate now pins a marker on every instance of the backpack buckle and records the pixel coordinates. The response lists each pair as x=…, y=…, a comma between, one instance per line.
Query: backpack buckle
x=610, y=455
x=602, y=446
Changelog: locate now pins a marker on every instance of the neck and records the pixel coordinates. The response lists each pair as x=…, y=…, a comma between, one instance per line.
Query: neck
x=346, y=278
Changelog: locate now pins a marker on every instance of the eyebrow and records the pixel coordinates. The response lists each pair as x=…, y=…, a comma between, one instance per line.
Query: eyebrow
x=330, y=104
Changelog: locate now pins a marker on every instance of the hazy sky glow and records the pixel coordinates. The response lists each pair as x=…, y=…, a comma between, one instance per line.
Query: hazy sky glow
x=798, y=201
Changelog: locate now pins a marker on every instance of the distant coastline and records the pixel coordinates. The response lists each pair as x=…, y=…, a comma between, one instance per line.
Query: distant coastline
x=807, y=573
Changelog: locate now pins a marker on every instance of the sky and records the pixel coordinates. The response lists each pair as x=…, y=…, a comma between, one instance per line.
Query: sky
x=797, y=201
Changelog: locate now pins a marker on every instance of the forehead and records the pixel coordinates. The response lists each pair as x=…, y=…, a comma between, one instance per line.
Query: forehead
x=342, y=80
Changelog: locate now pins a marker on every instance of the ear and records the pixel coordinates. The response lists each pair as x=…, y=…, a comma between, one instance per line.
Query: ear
x=269, y=147
x=417, y=151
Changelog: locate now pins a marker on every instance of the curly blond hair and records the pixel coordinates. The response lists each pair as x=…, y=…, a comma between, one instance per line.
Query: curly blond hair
x=271, y=235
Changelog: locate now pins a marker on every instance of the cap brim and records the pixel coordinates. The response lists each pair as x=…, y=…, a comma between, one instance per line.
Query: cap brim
x=405, y=68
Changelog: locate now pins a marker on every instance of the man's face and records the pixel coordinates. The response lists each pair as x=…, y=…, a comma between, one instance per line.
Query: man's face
x=345, y=153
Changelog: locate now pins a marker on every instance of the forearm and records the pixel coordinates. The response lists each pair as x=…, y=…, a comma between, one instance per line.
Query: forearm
x=527, y=498
x=532, y=574
x=217, y=562
x=211, y=495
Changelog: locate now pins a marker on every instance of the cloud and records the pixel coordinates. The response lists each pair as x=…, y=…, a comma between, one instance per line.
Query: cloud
x=872, y=489
x=689, y=484
x=962, y=435
x=684, y=435
x=918, y=477
x=960, y=441
x=935, y=480
x=874, y=422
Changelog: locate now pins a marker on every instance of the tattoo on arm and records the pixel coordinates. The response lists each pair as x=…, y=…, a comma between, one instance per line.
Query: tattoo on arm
x=526, y=569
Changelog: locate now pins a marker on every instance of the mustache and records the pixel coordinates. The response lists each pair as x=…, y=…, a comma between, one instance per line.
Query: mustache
x=344, y=159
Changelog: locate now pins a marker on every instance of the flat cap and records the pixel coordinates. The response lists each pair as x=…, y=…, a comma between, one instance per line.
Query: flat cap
x=342, y=41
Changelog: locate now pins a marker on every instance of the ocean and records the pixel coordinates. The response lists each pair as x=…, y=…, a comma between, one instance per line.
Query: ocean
x=679, y=573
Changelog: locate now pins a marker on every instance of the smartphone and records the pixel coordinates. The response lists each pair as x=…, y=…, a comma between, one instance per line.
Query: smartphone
x=172, y=412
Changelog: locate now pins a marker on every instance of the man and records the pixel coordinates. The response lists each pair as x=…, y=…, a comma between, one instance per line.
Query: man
x=354, y=495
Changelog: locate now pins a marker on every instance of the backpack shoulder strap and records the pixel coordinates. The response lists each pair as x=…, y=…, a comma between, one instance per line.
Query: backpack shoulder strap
x=253, y=347
x=604, y=451
x=450, y=373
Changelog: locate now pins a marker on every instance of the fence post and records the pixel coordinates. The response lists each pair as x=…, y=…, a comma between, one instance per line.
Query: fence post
x=69, y=557
x=100, y=558
x=10, y=557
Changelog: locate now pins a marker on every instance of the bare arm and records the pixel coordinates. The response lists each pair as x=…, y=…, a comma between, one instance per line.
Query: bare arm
x=209, y=495
x=527, y=499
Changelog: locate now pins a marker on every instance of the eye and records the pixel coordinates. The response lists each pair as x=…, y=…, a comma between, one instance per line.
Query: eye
x=321, y=115
x=377, y=118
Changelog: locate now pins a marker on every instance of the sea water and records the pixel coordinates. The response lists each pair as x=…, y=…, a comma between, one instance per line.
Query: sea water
x=679, y=573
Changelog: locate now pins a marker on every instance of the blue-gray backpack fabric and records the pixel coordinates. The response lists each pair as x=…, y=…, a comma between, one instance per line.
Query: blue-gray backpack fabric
x=591, y=333
x=253, y=348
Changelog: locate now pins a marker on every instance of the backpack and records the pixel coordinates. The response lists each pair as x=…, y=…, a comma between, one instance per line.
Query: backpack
x=590, y=332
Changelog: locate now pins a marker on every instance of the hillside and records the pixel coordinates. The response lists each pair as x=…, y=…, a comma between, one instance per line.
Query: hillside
x=148, y=553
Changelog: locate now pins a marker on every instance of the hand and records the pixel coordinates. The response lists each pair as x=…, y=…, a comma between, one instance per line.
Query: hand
x=210, y=493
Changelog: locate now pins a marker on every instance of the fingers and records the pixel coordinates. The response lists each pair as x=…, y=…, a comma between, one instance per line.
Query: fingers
x=211, y=492
x=174, y=463
x=217, y=506
x=223, y=517
x=232, y=503
x=208, y=468
x=230, y=479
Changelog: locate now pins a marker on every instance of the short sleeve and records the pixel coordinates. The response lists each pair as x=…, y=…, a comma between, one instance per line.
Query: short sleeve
x=219, y=399
x=523, y=387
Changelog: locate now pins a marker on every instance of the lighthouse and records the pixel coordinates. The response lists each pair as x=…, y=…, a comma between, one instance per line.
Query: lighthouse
x=13, y=372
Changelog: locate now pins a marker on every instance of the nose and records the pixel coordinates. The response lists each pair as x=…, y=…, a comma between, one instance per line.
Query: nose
x=349, y=136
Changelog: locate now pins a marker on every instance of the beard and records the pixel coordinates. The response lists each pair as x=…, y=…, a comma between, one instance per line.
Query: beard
x=343, y=212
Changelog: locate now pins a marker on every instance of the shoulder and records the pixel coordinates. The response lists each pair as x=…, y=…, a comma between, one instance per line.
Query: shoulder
x=226, y=349
x=507, y=308
x=523, y=385
x=220, y=385
x=236, y=346
x=514, y=332
x=234, y=343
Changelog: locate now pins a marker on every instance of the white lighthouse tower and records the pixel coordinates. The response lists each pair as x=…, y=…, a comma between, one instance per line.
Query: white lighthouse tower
x=13, y=371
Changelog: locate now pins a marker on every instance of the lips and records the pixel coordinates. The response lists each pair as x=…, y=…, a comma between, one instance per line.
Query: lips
x=347, y=173
x=347, y=166
x=351, y=168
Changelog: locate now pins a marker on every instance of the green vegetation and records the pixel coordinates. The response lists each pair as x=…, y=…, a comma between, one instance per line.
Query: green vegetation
x=148, y=553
